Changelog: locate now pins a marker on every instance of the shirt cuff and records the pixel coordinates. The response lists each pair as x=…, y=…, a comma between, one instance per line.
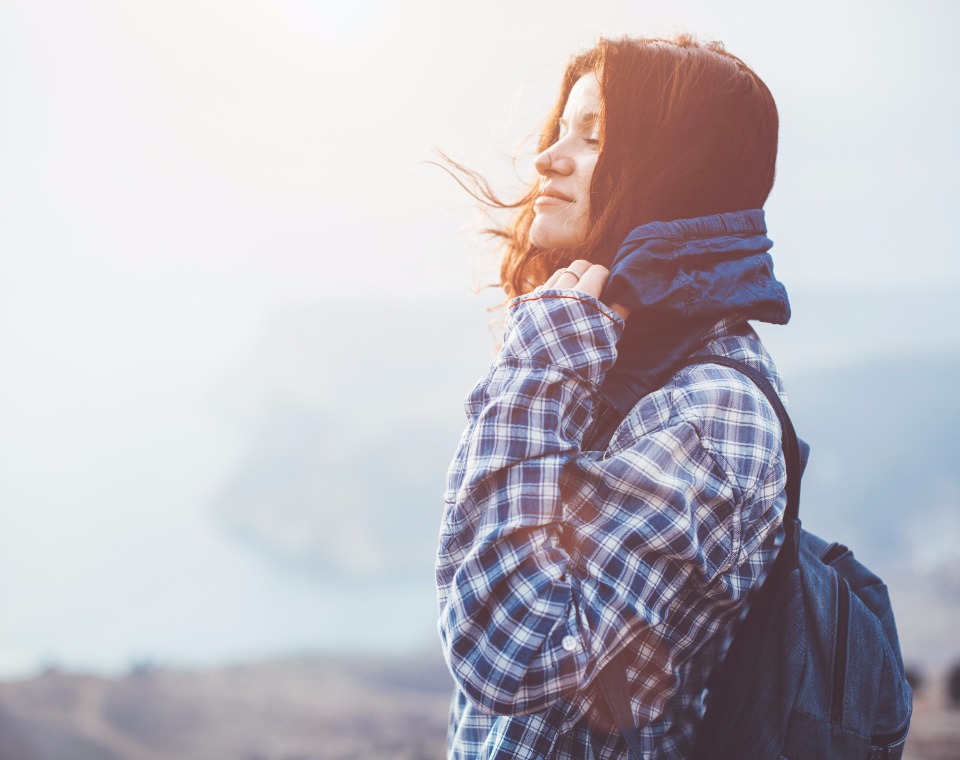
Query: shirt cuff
x=565, y=328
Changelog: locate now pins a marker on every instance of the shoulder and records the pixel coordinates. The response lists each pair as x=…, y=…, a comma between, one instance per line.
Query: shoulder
x=731, y=415
x=716, y=395
x=724, y=408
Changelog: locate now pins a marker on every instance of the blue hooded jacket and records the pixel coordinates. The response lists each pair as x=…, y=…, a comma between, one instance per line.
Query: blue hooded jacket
x=678, y=279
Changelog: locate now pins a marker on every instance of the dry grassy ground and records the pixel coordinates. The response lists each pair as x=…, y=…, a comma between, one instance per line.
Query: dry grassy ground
x=935, y=728
x=291, y=710
x=305, y=710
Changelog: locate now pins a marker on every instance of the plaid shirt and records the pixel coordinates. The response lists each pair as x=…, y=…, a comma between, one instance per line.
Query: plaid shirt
x=553, y=559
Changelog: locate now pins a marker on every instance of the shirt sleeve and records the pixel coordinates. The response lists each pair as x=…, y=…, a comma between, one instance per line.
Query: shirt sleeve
x=551, y=558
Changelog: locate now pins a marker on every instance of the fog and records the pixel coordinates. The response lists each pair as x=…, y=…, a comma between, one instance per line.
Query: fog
x=217, y=216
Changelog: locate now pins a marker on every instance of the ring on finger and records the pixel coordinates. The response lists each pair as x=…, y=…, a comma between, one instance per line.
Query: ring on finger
x=570, y=271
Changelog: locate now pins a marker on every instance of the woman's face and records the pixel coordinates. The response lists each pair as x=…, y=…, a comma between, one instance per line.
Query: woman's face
x=562, y=209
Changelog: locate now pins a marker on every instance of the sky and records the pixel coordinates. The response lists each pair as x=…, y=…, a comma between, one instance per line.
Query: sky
x=178, y=178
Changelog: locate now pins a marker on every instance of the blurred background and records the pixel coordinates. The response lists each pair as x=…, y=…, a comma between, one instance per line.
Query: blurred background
x=239, y=314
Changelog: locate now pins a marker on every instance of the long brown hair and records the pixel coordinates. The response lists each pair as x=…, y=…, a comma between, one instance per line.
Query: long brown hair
x=686, y=129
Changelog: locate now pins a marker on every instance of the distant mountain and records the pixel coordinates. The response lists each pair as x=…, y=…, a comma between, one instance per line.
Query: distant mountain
x=344, y=471
x=359, y=412
x=829, y=329
x=884, y=469
x=884, y=478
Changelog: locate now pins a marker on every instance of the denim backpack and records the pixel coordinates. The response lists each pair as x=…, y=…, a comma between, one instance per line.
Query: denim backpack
x=814, y=671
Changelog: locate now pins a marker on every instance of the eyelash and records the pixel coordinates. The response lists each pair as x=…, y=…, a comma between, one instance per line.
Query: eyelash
x=593, y=142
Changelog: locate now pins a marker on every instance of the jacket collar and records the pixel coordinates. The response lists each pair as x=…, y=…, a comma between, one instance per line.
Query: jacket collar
x=680, y=279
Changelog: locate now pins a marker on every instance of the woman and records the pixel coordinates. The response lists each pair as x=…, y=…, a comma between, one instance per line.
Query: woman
x=642, y=243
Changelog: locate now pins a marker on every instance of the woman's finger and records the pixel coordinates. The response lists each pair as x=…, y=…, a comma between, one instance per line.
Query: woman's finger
x=592, y=280
x=569, y=276
x=552, y=280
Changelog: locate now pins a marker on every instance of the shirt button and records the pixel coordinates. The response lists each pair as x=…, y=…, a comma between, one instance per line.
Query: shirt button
x=570, y=643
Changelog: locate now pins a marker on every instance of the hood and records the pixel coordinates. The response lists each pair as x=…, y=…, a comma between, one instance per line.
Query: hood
x=679, y=279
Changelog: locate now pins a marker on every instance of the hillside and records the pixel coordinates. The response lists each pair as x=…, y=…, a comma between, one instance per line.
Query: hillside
x=306, y=709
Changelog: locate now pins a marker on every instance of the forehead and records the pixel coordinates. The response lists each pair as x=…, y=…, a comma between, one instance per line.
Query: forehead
x=583, y=102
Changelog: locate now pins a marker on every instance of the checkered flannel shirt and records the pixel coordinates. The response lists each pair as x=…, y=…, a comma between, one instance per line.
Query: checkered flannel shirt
x=553, y=559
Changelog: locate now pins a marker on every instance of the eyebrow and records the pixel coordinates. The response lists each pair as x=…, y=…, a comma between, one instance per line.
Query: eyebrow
x=585, y=118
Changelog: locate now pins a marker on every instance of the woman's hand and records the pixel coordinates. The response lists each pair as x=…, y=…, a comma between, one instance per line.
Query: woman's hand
x=583, y=277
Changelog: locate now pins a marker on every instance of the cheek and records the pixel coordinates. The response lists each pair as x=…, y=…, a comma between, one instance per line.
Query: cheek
x=586, y=178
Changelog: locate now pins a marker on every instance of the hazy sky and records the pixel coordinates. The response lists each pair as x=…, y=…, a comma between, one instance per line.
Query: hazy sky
x=177, y=175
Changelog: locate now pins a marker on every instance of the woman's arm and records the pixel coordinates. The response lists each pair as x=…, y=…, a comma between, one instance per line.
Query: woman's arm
x=507, y=602
x=550, y=559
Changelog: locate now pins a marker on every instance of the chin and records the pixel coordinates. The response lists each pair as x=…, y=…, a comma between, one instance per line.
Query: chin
x=555, y=231
x=543, y=237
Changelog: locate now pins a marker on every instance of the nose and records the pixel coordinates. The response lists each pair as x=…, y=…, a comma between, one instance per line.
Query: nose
x=553, y=161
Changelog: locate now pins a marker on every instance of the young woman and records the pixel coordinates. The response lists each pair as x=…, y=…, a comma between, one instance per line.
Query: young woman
x=642, y=243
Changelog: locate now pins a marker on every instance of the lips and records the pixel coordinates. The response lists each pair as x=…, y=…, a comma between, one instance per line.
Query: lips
x=552, y=195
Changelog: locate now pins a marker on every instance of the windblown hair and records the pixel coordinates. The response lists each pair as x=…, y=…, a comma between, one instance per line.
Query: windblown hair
x=686, y=129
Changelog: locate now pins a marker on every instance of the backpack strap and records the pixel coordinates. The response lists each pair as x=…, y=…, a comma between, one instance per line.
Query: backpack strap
x=791, y=446
x=613, y=684
x=613, y=677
